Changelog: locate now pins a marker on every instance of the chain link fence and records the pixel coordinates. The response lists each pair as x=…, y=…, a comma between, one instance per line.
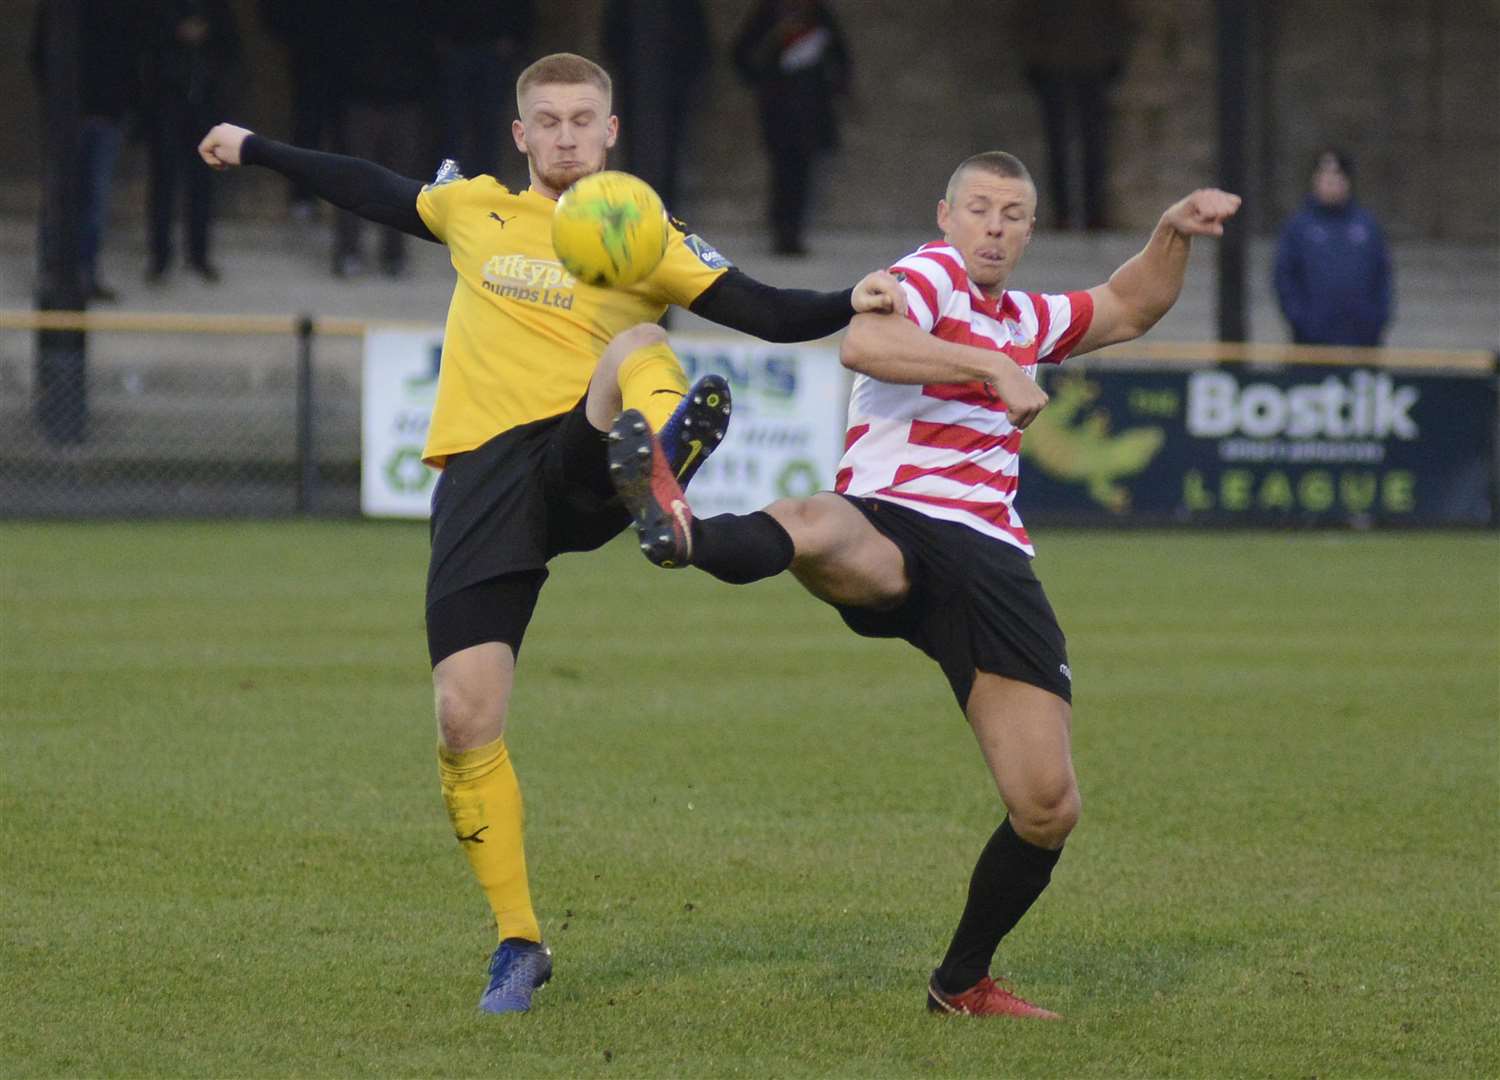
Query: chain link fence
x=166, y=416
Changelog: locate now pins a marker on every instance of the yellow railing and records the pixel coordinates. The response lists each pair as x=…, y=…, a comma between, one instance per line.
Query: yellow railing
x=1474, y=360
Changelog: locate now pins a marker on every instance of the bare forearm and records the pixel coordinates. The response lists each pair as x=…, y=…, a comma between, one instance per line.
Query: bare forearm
x=890, y=348
x=1148, y=284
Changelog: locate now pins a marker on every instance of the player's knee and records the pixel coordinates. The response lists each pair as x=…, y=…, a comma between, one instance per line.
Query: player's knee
x=467, y=716
x=640, y=336
x=803, y=523
x=1048, y=814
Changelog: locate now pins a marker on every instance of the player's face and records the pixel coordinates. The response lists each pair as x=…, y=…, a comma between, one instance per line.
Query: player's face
x=989, y=220
x=565, y=131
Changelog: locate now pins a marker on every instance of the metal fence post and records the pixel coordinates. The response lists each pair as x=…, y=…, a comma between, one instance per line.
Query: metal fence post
x=307, y=463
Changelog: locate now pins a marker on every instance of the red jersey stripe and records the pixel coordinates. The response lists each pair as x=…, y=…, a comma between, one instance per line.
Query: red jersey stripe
x=997, y=514
x=958, y=437
x=951, y=266
x=918, y=281
x=964, y=472
x=978, y=394
x=854, y=434
x=1082, y=305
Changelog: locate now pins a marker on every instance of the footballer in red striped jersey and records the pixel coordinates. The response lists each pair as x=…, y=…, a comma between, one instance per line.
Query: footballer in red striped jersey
x=921, y=539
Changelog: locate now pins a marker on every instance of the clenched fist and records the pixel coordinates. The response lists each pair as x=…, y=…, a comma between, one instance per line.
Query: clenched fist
x=1202, y=213
x=220, y=148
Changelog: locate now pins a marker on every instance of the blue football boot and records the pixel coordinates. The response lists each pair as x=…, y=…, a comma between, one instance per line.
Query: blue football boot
x=696, y=427
x=518, y=968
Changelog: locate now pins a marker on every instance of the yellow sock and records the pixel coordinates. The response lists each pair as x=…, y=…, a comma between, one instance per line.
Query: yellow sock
x=484, y=804
x=652, y=380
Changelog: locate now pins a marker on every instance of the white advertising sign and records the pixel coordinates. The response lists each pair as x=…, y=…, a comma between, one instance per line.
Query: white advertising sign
x=786, y=434
x=400, y=385
x=785, y=437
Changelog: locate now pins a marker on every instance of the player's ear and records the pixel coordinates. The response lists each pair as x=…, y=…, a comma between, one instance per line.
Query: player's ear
x=518, y=132
x=612, y=131
x=942, y=216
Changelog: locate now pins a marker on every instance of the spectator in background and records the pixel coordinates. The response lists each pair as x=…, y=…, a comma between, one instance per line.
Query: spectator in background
x=658, y=50
x=386, y=64
x=309, y=31
x=480, y=47
x=1333, y=273
x=792, y=53
x=1072, y=53
x=192, y=48
x=109, y=92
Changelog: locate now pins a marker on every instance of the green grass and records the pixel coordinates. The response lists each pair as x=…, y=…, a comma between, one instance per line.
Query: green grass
x=750, y=831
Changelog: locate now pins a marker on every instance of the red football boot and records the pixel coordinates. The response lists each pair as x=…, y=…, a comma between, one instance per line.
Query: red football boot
x=643, y=477
x=984, y=998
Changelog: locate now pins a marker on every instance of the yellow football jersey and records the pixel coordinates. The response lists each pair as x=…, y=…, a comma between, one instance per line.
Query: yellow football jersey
x=523, y=335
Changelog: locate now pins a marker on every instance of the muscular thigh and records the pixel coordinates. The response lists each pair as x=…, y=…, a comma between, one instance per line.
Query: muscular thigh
x=841, y=558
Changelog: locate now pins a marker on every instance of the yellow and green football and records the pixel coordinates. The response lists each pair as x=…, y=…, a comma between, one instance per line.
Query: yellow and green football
x=609, y=229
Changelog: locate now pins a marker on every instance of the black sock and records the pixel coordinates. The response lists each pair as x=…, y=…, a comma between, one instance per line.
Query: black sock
x=1008, y=877
x=741, y=548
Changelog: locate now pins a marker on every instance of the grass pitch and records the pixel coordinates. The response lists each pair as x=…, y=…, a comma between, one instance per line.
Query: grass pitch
x=750, y=831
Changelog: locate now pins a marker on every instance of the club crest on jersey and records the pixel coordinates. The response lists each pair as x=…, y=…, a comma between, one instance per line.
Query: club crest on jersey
x=706, y=252
x=1020, y=337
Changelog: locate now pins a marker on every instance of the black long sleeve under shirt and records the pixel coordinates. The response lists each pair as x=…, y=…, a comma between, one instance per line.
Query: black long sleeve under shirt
x=735, y=300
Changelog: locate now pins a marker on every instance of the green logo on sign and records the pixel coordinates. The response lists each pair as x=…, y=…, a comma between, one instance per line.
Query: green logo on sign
x=405, y=472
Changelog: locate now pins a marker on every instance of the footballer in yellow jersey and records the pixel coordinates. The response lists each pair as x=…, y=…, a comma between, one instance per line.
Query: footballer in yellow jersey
x=535, y=368
x=523, y=334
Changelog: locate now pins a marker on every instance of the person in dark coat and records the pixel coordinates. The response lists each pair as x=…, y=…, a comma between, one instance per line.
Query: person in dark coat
x=1333, y=272
x=481, y=47
x=657, y=52
x=109, y=94
x=192, y=52
x=1073, y=52
x=309, y=31
x=792, y=52
x=386, y=69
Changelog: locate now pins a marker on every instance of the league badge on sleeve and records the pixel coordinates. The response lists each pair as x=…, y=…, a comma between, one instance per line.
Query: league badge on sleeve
x=447, y=173
x=706, y=252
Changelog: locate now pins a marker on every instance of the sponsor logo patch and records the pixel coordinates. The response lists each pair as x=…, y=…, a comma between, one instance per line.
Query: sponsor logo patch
x=706, y=252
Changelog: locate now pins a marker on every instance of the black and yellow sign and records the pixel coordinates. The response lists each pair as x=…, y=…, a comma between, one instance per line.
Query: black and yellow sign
x=1258, y=444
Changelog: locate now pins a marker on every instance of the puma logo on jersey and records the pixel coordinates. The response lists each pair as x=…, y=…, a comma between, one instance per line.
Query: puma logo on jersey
x=502, y=220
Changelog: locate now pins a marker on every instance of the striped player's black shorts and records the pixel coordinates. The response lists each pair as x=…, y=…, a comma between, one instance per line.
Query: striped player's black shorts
x=974, y=605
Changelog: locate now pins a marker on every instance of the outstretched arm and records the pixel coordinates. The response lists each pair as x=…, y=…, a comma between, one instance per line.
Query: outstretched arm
x=361, y=187
x=741, y=303
x=1142, y=290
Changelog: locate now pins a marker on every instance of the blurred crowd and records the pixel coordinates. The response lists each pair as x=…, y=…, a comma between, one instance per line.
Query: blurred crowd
x=408, y=83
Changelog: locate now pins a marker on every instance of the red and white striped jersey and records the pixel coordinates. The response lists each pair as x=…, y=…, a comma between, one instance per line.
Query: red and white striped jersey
x=946, y=449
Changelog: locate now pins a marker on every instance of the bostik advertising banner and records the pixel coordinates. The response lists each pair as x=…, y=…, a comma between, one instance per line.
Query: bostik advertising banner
x=785, y=437
x=1239, y=443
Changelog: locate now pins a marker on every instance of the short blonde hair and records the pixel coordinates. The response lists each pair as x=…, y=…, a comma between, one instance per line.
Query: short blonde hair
x=994, y=162
x=569, y=69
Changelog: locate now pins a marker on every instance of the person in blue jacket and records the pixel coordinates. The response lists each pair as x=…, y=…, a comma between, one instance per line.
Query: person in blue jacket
x=1333, y=273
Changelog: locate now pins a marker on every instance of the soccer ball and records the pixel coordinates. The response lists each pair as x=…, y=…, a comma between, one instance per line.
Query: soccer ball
x=609, y=229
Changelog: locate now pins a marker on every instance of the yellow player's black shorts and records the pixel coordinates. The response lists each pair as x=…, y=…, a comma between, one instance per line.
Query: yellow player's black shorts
x=499, y=513
x=974, y=605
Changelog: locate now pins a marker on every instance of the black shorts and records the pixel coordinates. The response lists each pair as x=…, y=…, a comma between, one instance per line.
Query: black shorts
x=974, y=605
x=499, y=513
